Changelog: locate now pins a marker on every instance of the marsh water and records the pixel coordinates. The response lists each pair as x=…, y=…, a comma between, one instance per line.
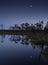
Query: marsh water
x=19, y=50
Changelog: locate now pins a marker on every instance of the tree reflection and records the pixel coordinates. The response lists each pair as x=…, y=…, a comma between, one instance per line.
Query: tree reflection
x=18, y=38
x=15, y=38
x=43, y=52
x=2, y=38
x=26, y=41
x=42, y=47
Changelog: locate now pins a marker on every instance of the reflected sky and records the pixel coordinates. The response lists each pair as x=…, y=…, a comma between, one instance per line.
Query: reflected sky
x=20, y=53
x=17, y=53
x=19, y=11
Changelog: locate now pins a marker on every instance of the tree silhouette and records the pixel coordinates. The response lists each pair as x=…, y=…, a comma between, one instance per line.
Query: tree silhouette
x=26, y=26
x=16, y=27
x=11, y=28
x=1, y=26
x=46, y=26
x=39, y=25
x=23, y=26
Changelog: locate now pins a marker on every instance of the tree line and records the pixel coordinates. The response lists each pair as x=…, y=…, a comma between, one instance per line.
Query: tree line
x=26, y=26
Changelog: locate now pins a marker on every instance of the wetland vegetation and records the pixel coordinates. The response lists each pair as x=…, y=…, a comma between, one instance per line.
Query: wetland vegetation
x=37, y=32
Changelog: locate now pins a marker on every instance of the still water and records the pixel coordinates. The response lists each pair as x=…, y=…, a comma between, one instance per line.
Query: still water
x=19, y=50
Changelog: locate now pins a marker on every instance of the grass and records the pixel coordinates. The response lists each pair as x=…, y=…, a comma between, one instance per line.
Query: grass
x=45, y=53
x=38, y=37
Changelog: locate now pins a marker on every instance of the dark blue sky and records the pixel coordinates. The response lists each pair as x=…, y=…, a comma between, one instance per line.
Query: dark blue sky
x=19, y=11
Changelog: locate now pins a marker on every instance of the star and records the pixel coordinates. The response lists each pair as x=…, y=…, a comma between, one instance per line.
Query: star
x=30, y=6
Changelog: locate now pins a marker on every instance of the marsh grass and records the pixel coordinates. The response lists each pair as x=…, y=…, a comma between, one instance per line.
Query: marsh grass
x=38, y=37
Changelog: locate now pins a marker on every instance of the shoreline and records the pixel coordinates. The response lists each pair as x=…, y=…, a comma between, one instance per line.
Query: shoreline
x=36, y=36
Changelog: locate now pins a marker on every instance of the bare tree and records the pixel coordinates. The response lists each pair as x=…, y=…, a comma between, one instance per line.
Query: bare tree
x=23, y=26
x=39, y=25
x=27, y=26
x=46, y=26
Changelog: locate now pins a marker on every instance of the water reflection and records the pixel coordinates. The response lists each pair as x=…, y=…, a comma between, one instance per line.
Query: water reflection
x=2, y=38
x=22, y=39
x=38, y=51
x=15, y=38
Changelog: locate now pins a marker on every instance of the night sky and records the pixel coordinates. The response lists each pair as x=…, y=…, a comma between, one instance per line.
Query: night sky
x=19, y=11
